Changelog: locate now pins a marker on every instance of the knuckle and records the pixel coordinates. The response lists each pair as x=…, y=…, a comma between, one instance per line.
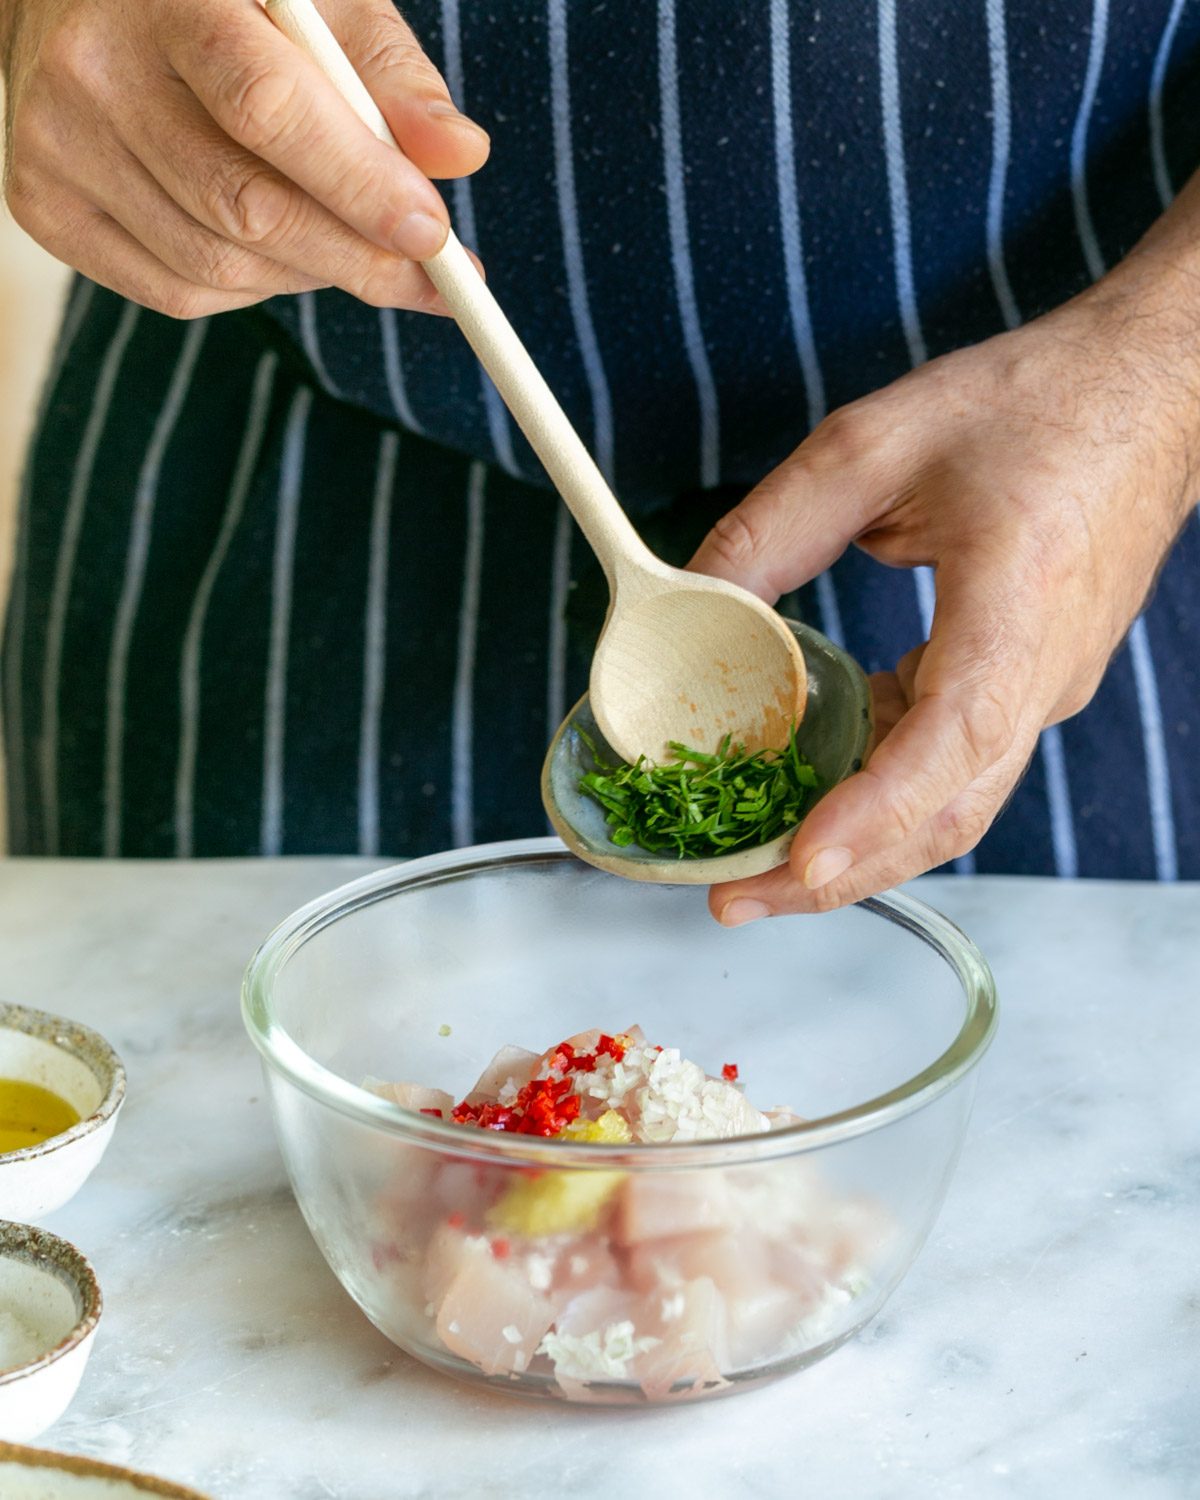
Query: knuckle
x=224, y=267
x=20, y=193
x=735, y=539
x=828, y=897
x=897, y=798
x=256, y=209
x=988, y=724
x=262, y=105
x=393, y=49
x=182, y=301
x=73, y=49
x=1079, y=694
x=842, y=437
x=962, y=824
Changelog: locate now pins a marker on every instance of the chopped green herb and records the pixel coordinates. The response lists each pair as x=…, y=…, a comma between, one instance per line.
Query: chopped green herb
x=700, y=804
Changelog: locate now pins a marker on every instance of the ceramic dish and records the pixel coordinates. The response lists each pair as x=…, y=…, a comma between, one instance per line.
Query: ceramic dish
x=834, y=734
x=79, y=1066
x=49, y=1309
x=869, y=1022
x=37, y=1474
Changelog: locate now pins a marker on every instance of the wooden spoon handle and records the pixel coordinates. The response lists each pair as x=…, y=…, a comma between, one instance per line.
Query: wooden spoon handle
x=489, y=333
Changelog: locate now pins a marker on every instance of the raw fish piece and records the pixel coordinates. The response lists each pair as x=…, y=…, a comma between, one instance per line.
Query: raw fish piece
x=736, y=1262
x=764, y=1327
x=468, y=1188
x=799, y=1266
x=596, y=1338
x=693, y=1327
x=593, y=1309
x=510, y=1062
x=654, y=1205
x=781, y=1118
x=585, y=1263
x=490, y=1315
x=414, y=1096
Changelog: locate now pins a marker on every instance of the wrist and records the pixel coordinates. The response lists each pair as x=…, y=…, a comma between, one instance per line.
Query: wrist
x=1145, y=315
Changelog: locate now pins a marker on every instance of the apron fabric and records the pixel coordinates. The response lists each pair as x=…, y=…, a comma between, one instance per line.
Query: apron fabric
x=289, y=581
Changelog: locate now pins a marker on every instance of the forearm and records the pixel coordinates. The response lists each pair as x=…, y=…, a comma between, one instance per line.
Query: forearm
x=1147, y=314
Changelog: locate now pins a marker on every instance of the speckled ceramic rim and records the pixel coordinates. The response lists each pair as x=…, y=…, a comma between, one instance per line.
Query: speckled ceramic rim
x=40, y=1248
x=90, y=1468
x=89, y=1048
x=289, y=1060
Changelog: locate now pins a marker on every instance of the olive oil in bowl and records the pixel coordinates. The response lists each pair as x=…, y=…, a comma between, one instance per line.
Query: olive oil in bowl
x=30, y=1114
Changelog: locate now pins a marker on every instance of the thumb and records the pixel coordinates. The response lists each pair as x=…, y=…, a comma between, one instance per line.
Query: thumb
x=408, y=88
x=805, y=513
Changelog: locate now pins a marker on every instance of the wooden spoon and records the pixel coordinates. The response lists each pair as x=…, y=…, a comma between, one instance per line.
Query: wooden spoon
x=682, y=656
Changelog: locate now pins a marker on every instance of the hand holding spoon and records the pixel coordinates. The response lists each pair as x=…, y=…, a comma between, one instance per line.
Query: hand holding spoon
x=681, y=656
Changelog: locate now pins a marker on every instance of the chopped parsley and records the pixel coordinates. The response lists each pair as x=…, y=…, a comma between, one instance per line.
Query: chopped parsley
x=698, y=804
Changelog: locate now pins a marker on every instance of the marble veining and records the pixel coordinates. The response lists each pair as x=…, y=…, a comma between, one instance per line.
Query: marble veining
x=1047, y=1342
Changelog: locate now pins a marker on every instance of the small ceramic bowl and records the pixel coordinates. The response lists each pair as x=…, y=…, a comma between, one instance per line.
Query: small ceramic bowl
x=37, y=1474
x=834, y=734
x=79, y=1066
x=49, y=1308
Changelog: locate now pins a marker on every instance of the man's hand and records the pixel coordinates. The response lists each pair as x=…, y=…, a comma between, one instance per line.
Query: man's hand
x=192, y=159
x=1044, y=475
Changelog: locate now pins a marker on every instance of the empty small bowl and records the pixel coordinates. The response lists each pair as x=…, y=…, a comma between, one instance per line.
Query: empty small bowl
x=834, y=734
x=79, y=1066
x=38, y=1474
x=49, y=1308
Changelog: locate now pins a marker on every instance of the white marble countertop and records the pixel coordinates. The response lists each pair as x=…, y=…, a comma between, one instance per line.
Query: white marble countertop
x=1047, y=1342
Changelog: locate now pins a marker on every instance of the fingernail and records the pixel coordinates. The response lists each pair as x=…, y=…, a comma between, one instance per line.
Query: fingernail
x=743, y=910
x=825, y=866
x=442, y=109
x=420, y=236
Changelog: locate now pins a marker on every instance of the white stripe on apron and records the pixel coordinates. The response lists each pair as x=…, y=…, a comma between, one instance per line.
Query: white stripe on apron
x=681, y=254
x=145, y=498
x=1079, y=187
x=310, y=340
x=393, y=369
x=375, y=645
x=193, y=640
x=78, y=302
x=64, y=569
x=1158, y=152
x=792, y=239
x=291, y=477
x=589, y=352
x=464, y=214
x=462, y=729
x=1001, y=142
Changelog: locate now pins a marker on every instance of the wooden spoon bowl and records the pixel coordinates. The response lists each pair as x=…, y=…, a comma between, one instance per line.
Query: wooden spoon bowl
x=689, y=658
x=835, y=736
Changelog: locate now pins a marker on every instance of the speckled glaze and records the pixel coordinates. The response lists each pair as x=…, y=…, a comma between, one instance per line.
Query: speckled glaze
x=36, y=1180
x=40, y=1474
x=835, y=735
x=36, y=1392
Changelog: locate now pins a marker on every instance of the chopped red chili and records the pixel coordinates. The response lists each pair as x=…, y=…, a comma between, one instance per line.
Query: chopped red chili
x=500, y=1249
x=730, y=1072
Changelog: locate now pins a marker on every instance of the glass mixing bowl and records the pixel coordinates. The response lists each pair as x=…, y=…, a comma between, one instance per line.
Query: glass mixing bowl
x=617, y=1274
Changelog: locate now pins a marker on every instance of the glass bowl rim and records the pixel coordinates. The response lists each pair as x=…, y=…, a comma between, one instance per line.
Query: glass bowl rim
x=290, y=1061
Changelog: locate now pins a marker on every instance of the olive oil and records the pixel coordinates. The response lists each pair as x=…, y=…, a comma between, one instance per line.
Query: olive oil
x=30, y=1114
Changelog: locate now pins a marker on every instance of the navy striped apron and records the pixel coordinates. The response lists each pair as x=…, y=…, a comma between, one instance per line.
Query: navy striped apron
x=290, y=581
